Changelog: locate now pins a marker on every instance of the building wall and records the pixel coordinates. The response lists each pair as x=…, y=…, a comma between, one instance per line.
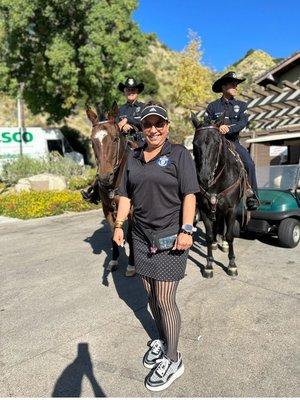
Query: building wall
x=292, y=75
x=260, y=153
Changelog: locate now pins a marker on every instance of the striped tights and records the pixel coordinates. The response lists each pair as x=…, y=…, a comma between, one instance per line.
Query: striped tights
x=162, y=302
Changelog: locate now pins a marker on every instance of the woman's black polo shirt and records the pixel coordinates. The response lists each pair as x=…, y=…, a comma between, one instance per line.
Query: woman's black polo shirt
x=157, y=188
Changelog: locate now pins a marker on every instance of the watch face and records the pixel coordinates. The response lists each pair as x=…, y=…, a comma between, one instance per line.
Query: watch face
x=187, y=227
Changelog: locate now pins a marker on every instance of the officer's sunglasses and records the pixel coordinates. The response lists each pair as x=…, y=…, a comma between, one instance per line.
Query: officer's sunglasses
x=158, y=125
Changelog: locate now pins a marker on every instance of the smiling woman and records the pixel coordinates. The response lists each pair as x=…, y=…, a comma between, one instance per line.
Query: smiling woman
x=160, y=180
x=155, y=126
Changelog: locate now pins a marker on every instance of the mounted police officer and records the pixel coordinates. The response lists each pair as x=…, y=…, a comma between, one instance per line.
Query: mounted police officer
x=235, y=119
x=129, y=116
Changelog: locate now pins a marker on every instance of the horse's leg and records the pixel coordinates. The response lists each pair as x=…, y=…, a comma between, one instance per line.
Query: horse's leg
x=230, y=220
x=130, y=271
x=224, y=244
x=214, y=245
x=208, y=269
x=113, y=264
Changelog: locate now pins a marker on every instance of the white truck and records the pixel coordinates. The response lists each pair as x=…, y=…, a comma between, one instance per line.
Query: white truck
x=35, y=142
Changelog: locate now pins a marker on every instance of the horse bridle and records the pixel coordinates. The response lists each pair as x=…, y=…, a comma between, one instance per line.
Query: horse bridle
x=111, y=192
x=213, y=179
x=213, y=198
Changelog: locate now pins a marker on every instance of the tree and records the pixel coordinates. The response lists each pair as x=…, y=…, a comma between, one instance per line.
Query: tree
x=149, y=79
x=68, y=52
x=193, y=80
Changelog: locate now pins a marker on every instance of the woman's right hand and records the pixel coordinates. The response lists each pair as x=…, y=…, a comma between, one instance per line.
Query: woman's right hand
x=119, y=236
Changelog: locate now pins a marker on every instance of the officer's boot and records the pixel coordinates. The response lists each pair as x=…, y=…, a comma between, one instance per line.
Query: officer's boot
x=252, y=200
x=91, y=194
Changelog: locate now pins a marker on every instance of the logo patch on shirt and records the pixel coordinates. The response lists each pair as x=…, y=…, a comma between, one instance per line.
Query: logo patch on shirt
x=236, y=108
x=138, y=109
x=163, y=161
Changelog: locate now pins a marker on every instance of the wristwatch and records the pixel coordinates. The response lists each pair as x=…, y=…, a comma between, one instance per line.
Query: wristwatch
x=188, y=229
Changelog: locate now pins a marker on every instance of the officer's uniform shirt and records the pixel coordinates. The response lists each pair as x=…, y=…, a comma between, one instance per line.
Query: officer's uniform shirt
x=131, y=111
x=235, y=115
x=157, y=188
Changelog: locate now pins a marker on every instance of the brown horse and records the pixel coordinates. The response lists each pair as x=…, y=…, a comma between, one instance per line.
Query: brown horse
x=111, y=149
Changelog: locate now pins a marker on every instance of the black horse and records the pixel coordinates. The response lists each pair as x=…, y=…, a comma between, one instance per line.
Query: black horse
x=222, y=180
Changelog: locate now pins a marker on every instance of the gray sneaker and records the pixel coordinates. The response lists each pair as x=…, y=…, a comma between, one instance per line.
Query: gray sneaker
x=154, y=354
x=164, y=374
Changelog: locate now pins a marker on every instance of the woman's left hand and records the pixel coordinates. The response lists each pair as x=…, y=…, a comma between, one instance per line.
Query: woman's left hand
x=183, y=242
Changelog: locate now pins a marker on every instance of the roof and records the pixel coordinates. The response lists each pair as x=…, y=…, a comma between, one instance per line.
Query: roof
x=285, y=138
x=274, y=107
x=279, y=69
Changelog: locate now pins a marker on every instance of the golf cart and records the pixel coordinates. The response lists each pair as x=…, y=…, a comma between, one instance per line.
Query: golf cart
x=279, y=192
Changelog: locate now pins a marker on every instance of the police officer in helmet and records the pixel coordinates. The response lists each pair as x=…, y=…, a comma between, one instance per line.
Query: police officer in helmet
x=235, y=119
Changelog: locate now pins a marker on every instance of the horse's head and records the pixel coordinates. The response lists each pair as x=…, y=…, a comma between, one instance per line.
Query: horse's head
x=108, y=145
x=206, y=149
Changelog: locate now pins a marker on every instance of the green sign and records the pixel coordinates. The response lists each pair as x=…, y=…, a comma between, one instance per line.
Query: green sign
x=8, y=137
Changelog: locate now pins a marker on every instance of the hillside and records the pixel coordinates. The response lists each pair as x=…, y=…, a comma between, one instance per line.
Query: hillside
x=251, y=66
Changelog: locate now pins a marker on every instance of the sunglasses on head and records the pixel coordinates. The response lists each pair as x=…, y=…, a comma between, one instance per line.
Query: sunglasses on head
x=158, y=125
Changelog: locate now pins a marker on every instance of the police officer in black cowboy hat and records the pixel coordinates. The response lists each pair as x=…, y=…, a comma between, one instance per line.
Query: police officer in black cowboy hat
x=235, y=119
x=129, y=116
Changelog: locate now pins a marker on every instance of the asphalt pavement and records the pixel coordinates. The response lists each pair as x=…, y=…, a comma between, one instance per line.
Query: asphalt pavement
x=70, y=329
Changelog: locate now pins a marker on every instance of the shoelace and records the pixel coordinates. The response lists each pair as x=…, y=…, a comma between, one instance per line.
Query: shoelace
x=163, y=367
x=156, y=347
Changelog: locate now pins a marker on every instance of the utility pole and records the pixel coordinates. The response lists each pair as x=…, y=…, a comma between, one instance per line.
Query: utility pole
x=21, y=120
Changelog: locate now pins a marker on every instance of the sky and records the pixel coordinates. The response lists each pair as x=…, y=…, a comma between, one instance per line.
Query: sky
x=228, y=29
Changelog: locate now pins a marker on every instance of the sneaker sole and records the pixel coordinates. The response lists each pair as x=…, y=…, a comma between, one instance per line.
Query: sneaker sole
x=167, y=384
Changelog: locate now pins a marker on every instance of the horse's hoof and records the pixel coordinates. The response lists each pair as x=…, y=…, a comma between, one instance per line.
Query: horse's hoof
x=208, y=274
x=214, y=246
x=232, y=271
x=225, y=246
x=112, y=265
x=130, y=271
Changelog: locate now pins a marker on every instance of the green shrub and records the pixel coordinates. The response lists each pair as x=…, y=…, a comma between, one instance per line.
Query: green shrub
x=42, y=204
x=2, y=187
x=25, y=166
x=82, y=181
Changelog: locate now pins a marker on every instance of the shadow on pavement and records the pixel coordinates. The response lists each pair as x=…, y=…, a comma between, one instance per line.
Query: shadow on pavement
x=70, y=381
x=269, y=240
x=129, y=289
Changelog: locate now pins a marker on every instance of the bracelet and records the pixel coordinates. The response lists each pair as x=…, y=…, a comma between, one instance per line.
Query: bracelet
x=119, y=224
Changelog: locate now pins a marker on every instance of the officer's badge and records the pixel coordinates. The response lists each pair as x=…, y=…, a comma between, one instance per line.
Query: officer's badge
x=138, y=109
x=130, y=81
x=163, y=161
x=236, y=108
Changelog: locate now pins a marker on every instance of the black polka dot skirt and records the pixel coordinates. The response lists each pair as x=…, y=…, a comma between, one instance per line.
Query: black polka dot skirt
x=164, y=265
